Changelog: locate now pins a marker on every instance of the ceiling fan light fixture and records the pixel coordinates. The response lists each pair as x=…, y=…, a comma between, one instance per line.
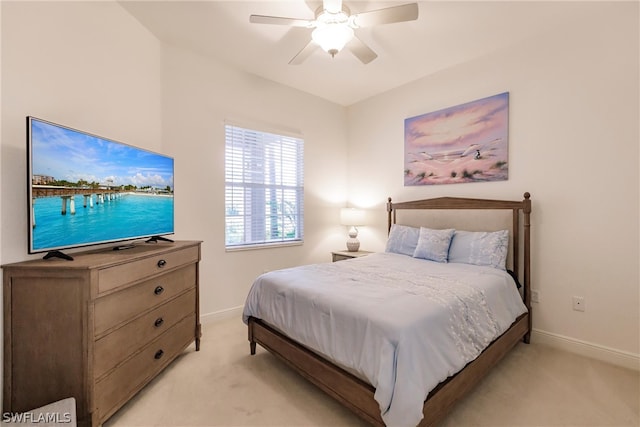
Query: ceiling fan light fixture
x=332, y=37
x=334, y=27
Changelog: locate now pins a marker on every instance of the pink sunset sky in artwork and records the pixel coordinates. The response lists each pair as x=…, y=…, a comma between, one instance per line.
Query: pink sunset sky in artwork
x=465, y=143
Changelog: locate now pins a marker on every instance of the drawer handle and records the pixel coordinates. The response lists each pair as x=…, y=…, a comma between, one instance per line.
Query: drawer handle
x=158, y=354
x=159, y=321
x=162, y=263
x=158, y=290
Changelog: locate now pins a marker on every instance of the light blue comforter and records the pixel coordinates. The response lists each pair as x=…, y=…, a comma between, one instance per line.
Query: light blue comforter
x=400, y=323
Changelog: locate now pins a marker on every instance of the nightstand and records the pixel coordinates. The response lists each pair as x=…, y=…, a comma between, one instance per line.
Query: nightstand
x=340, y=255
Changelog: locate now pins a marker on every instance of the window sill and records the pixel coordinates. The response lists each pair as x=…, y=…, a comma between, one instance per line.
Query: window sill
x=262, y=246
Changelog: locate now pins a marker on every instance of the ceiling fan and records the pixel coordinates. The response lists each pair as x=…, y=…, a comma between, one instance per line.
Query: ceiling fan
x=334, y=25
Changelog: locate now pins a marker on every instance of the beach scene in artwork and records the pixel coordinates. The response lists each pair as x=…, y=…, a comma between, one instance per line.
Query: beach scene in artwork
x=465, y=143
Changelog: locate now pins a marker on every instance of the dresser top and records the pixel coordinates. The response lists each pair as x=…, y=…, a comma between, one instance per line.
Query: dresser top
x=106, y=256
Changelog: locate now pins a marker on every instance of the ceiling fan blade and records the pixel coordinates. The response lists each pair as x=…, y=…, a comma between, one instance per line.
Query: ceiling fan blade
x=304, y=53
x=279, y=20
x=361, y=51
x=389, y=15
x=333, y=6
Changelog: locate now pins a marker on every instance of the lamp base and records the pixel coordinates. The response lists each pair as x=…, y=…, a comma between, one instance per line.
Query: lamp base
x=353, y=245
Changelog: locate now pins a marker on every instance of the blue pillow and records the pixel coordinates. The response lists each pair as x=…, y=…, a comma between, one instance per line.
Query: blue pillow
x=480, y=248
x=402, y=239
x=433, y=244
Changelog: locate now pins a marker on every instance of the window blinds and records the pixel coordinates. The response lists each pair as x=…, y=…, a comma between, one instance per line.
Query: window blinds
x=264, y=188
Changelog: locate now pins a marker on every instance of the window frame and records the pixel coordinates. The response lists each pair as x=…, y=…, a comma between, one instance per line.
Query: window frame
x=264, y=178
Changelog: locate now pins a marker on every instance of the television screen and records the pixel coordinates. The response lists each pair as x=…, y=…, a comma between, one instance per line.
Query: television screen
x=86, y=190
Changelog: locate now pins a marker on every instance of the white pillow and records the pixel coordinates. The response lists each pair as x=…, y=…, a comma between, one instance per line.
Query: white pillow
x=402, y=239
x=433, y=244
x=480, y=248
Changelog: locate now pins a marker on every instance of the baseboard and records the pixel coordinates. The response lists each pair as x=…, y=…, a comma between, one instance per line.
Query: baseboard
x=221, y=315
x=595, y=351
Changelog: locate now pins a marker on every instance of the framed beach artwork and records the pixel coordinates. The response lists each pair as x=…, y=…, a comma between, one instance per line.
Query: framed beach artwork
x=465, y=143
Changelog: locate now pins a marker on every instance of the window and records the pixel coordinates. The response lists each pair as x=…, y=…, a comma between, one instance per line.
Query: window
x=264, y=188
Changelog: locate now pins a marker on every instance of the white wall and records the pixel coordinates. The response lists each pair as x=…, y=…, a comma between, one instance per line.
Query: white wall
x=87, y=65
x=199, y=95
x=573, y=144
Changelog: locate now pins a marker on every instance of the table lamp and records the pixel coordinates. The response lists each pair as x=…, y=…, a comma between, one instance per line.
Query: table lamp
x=352, y=217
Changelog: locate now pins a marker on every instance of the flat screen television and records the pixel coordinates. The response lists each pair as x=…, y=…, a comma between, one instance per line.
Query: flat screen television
x=88, y=190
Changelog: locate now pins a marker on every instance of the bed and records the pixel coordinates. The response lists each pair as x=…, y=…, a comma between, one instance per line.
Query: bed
x=400, y=336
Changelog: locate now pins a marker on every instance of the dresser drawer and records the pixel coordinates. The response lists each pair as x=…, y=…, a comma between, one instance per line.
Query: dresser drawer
x=113, y=348
x=119, y=275
x=122, y=306
x=129, y=377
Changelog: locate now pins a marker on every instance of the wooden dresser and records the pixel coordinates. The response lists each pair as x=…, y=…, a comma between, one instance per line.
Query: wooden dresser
x=97, y=328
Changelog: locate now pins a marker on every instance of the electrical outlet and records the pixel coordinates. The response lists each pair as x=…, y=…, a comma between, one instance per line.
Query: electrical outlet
x=535, y=295
x=578, y=303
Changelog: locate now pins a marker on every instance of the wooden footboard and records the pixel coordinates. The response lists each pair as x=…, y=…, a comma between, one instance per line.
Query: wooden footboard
x=357, y=395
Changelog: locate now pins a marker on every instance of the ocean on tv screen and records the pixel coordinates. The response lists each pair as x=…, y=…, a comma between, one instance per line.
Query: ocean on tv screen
x=119, y=216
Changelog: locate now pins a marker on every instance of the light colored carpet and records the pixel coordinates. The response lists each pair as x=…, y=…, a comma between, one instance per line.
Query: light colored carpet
x=222, y=385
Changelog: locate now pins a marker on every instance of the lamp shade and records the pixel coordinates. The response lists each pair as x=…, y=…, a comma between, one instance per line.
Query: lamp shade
x=352, y=216
x=332, y=37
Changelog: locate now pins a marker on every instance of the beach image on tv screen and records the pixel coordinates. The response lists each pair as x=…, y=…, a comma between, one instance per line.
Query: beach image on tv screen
x=86, y=189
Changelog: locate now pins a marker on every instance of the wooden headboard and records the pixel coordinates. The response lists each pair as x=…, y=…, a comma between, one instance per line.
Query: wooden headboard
x=489, y=215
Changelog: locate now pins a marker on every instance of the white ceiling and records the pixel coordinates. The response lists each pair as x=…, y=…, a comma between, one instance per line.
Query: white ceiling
x=446, y=33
